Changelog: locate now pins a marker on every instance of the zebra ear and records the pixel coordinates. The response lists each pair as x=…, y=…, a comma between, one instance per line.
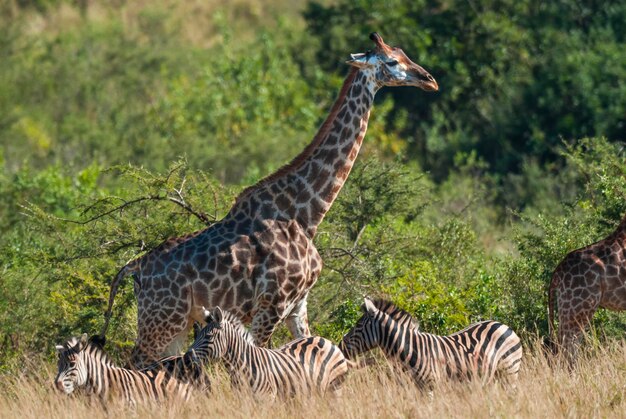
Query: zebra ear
x=196, y=330
x=218, y=315
x=60, y=348
x=81, y=343
x=369, y=307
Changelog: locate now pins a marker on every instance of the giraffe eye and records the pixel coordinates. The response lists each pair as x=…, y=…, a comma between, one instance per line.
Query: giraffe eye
x=392, y=63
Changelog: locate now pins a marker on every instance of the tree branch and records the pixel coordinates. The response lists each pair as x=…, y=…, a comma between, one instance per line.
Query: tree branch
x=206, y=219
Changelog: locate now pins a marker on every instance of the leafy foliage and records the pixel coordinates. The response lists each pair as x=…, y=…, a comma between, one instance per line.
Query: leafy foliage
x=601, y=169
x=515, y=76
x=459, y=208
x=61, y=257
x=233, y=110
x=446, y=279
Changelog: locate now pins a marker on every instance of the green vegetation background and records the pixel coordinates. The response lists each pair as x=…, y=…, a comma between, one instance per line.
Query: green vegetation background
x=123, y=123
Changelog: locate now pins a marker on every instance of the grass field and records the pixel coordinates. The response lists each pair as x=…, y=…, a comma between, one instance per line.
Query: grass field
x=597, y=388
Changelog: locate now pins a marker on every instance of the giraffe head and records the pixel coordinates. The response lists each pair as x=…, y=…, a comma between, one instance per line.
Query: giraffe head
x=391, y=67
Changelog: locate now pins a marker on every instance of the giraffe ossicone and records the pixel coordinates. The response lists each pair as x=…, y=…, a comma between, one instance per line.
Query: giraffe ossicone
x=259, y=262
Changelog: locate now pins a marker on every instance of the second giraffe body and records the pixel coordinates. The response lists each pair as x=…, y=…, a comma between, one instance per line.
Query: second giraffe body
x=585, y=280
x=259, y=261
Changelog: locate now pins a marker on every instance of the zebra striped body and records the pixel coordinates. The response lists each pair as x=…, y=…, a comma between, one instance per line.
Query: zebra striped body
x=302, y=366
x=83, y=364
x=184, y=368
x=482, y=350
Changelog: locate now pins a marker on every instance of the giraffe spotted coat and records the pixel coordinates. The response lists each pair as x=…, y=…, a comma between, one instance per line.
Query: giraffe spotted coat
x=259, y=262
x=587, y=279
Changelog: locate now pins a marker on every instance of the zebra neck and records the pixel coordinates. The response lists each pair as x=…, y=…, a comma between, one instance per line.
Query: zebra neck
x=239, y=354
x=394, y=338
x=97, y=366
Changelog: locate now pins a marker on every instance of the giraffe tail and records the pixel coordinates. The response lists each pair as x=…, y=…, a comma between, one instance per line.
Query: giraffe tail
x=127, y=269
x=553, y=284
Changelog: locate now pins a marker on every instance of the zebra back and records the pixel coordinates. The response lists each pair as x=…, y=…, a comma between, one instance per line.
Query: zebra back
x=481, y=350
x=184, y=368
x=83, y=364
x=395, y=312
x=302, y=366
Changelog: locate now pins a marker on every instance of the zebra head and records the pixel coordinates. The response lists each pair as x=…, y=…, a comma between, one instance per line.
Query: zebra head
x=365, y=334
x=209, y=342
x=72, y=368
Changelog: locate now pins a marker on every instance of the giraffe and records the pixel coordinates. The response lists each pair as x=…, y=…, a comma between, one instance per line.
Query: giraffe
x=586, y=279
x=259, y=261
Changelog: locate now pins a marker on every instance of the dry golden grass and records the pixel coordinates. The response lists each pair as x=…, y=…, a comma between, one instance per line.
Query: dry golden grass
x=597, y=388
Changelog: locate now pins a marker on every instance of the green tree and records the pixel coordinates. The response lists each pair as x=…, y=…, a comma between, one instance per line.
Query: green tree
x=515, y=76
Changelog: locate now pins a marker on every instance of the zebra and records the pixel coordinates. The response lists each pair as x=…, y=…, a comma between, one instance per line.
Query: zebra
x=83, y=364
x=184, y=368
x=483, y=350
x=396, y=313
x=302, y=366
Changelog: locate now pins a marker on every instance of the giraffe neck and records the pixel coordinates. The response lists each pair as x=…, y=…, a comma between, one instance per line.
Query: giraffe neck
x=305, y=188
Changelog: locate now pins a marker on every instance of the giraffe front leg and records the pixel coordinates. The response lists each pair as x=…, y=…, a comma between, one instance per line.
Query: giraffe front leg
x=298, y=320
x=162, y=329
x=179, y=342
x=572, y=325
x=570, y=343
x=264, y=322
x=160, y=337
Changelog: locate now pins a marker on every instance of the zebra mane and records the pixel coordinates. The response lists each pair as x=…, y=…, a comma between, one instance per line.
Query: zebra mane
x=238, y=325
x=395, y=312
x=94, y=346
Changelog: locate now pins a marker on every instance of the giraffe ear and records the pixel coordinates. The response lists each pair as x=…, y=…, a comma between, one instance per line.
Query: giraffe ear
x=359, y=60
x=206, y=314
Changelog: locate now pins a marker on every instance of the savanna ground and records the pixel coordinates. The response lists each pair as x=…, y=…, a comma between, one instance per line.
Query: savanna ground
x=459, y=207
x=596, y=388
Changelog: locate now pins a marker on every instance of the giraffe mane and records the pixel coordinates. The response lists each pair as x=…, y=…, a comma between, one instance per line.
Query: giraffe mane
x=308, y=150
x=395, y=312
x=622, y=223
